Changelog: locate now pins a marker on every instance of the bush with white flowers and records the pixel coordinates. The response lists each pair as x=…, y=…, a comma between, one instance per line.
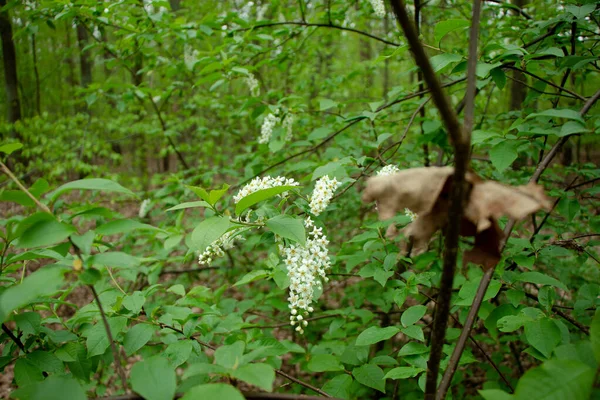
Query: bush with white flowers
x=306, y=263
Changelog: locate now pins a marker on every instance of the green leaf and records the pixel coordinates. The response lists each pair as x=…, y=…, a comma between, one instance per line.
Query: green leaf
x=215, y=195
x=154, y=379
x=403, y=373
x=565, y=113
x=324, y=362
x=595, y=335
x=8, y=148
x=568, y=208
x=441, y=61
x=375, y=334
x=288, y=227
x=97, y=341
x=57, y=387
x=414, y=331
x=208, y=231
x=259, y=375
x=503, y=154
x=413, y=348
x=179, y=352
x=46, y=361
x=326, y=104
x=320, y=133
x=189, y=204
x=499, y=77
x=103, y=185
x=215, y=391
x=90, y=276
x=229, y=356
x=43, y=282
x=200, y=192
x=370, y=375
x=252, y=276
x=28, y=322
x=444, y=27
x=339, y=387
x=26, y=373
x=557, y=380
x=260, y=195
x=581, y=12
x=137, y=337
x=45, y=233
x=84, y=242
x=124, y=226
x=571, y=128
x=543, y=335
x=114, y=259
x=541, y=279
x=412, y=315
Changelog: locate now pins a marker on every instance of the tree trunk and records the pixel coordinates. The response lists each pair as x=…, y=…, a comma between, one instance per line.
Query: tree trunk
x=518, y=91
x=85, y=62
x=175, y=5
x=10, y=67
x=36, y=74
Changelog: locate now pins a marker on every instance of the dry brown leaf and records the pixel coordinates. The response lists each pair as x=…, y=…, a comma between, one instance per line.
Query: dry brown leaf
x=425, y=192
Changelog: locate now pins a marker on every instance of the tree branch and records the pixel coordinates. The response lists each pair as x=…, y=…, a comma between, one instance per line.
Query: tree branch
x=341, y=28
x=460, y=142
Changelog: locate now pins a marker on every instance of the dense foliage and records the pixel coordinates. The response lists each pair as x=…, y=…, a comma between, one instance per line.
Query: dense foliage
x=181, y=204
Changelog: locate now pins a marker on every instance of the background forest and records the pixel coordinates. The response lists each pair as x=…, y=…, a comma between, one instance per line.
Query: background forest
x=182, y=193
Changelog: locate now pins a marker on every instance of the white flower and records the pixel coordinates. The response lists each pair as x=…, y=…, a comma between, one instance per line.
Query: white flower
x=190, y=57
x=144, y=208
x=266, y=182
x=288, y=125
x=321, y=196
x=307, y=266
x=388, y=170
x=253, y=85
x=378, y=7
x=410, y=214
x=266, y=130
x=218, y=247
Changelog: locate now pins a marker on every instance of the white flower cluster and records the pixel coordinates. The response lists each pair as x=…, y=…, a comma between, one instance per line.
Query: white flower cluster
x=217, y=248
x=410, y=214
x=306, y=266
x=266, y=130
x=266, y=182
x=378, y=7
x=388, y=170
x=288, y=125
x=144, y=208
x=319, y=200
x=253, y=85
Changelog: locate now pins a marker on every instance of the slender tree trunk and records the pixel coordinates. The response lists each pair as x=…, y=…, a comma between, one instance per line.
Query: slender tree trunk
x=518, y=91
x=9, y=58
x=175, y=5
x=85, y=63
x=36, y=74
x=418, y=7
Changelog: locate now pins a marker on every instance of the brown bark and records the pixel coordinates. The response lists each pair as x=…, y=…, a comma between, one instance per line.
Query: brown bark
x=9, y=58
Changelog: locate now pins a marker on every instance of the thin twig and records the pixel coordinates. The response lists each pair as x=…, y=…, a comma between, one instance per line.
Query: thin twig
x=14, y=338
x=342, y=28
